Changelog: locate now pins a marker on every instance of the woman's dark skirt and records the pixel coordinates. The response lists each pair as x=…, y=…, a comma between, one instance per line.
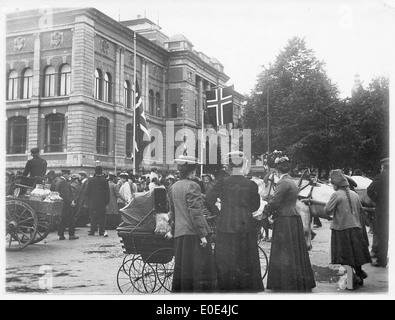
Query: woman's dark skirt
x=194, y=269
x=237, y=260
x=289, y=267
x=350, y=247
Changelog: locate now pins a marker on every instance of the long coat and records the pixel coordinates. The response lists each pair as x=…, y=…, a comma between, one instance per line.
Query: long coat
x=236, y=248
x=98, y=193
x=112, y=207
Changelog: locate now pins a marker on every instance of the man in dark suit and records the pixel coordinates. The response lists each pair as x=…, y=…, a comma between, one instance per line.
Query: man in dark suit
x=98, y=197
x=236, y=248
x=68, y=219
x=35, y=167
x=378, y=191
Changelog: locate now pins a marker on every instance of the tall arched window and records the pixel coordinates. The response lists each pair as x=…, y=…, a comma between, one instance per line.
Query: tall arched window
x=49, y=82
x=127, y=95
x=54, y=133
x=98, y=84
x=12, y=92
x=157, y=105
x=16, y=135
x=129, y=140
x=151, y=103
x=107, y=88
x=102, y=135
x=65, y=80
x=27, y=83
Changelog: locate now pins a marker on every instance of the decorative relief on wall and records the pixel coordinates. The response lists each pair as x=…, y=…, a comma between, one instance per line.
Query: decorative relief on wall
x=104, y=46
x=157, y=71
x=19, y=43
x=56, y=39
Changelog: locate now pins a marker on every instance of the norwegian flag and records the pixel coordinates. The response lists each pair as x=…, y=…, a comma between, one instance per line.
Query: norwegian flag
x=141, y=127
x=220, y=106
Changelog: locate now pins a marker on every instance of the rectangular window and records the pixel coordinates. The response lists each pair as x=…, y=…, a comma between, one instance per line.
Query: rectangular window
x=49, y=85
x=65, y=83
x=12, y=89
x=174, y=111
x=54, y=129
x=17, y=133
x=27, y=87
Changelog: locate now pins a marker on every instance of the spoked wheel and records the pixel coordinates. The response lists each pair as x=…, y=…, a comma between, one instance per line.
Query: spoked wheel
x=264, y=261
x=163, y=261
x=136, y=274
x=150, y=281
x=45, y=224
x=123, y=279
x=21, y=225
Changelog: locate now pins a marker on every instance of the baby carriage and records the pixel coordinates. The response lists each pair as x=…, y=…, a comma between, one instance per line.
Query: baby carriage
x=149, y=262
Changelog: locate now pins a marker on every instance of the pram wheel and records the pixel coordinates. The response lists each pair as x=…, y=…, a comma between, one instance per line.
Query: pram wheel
x=130, y=275
x=163, y=260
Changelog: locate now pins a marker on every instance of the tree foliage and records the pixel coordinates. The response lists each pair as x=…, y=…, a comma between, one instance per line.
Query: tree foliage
x=309, y=121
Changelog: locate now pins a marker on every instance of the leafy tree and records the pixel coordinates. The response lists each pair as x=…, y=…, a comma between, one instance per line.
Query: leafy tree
x=302, y=100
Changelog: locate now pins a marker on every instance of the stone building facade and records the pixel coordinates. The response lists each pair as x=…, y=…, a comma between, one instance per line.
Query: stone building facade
x=69, y=87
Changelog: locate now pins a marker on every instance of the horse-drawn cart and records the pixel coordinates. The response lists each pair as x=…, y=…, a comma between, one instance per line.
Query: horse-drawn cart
x=29, y=217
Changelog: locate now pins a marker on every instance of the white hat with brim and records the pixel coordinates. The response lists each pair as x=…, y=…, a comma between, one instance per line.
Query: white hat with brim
x=186, y=160
x=234, y=155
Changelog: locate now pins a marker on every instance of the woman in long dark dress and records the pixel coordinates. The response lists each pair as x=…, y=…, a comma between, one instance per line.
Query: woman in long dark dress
x=289, y=267
x=349, y=244
x=236, y=247
x=194, y=269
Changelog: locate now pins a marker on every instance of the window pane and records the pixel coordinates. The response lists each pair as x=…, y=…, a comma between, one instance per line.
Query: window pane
x=12, y=85
x=129, y=140
x=65, y=80
x=17, y=133
x=54, y=128
x=102, y=136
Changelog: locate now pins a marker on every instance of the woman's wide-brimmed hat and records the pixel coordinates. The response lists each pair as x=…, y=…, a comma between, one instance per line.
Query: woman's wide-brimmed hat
x=338, y=178
x=186, y=160
x=234, y=156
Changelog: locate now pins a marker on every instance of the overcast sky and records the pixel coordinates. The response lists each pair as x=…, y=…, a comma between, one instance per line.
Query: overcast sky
x=350, y=36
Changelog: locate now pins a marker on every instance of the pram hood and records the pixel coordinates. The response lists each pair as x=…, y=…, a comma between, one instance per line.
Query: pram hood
x=139, y=215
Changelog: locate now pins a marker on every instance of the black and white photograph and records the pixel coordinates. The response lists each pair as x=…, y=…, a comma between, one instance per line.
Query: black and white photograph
x=164, y=149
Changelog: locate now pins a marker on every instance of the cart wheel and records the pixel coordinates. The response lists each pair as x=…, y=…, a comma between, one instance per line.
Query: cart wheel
x=164, y=271
x=45, y=224
x=21, y=225
x=264, y=261
x=123, y=280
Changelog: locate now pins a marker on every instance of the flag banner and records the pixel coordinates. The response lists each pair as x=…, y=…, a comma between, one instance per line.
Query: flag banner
x=220, y=106
x=140, y=128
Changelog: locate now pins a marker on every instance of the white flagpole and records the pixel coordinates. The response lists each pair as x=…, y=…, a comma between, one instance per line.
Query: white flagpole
x=134, y=101
x=203, y=142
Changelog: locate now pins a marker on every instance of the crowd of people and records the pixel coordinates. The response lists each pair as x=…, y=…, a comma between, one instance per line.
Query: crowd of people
x=234, y=265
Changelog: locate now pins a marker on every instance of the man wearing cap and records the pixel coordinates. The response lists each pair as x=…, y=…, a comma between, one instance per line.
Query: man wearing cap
x=236, y=248
x=98, y=197
x=35, y=167
x=75, y=188
x=68, y=219
x=378, y=191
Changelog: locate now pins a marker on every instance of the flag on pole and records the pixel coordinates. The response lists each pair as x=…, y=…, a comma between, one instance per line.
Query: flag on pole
x=141, y=127
x=220, y=106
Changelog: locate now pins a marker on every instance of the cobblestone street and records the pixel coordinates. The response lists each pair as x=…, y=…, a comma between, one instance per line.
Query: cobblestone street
x=90, y=265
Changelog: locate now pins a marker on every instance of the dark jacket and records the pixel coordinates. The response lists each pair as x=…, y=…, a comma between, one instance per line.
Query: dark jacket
x=186, y=209
x=378, y=191
x=239, y=199
x=35, y=167
x=284, y=199
x=63, y=187
x=98, y=193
